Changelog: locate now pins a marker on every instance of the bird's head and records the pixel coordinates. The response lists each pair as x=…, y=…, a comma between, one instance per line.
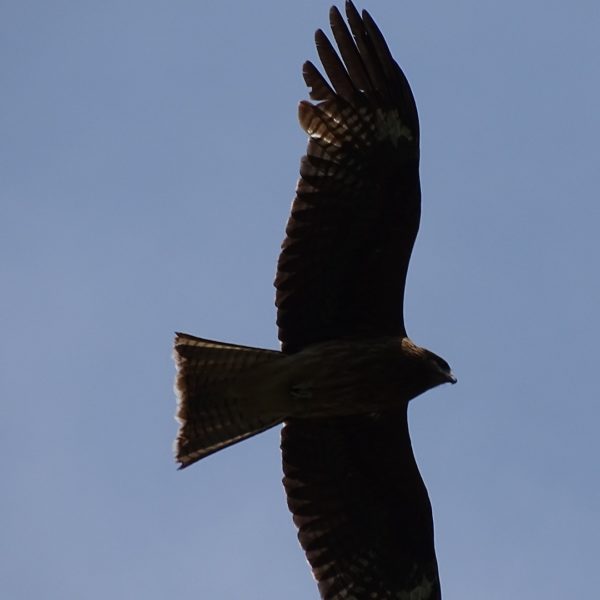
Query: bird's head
x=438, y=368
x=428, y=370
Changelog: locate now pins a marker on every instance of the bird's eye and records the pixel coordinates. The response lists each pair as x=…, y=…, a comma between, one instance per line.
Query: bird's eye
x=443, y=365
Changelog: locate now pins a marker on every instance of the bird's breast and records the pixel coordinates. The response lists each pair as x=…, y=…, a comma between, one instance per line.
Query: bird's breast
x=344, y=378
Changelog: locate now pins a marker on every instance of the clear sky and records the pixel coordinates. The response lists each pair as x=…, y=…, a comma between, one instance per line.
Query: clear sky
x=148, y=157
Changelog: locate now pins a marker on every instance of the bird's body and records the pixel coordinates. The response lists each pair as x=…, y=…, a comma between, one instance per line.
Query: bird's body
x=330, y=379
x=347, y=369
x=354, y=377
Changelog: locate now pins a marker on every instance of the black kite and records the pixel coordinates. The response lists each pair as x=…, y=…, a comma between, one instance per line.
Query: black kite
x=347, y=369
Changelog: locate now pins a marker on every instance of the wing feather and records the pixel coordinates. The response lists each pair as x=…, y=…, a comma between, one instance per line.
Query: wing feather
x=348, y=50
x=319, y=88
x=334, y=68
x=377, y=81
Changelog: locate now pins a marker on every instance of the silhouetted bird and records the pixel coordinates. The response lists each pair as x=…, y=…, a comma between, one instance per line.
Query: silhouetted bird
x=347, y=369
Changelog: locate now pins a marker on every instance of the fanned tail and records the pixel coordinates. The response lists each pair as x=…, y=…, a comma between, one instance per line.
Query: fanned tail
x=219, y=396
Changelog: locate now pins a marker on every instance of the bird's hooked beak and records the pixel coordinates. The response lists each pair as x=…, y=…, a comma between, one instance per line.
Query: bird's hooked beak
x=452, y=378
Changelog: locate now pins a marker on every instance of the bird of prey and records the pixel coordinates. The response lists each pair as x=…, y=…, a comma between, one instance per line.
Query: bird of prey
x=347, y=370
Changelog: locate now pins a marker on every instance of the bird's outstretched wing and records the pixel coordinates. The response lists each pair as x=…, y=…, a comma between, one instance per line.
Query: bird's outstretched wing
x=352, y=483
x=342, y=269
x=361, y=508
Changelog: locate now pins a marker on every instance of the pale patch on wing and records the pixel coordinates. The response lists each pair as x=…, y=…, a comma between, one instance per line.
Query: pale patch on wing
x=333, y=125
x=355, y=592
x=359, y=579
x=391, y=127
x=422, y=591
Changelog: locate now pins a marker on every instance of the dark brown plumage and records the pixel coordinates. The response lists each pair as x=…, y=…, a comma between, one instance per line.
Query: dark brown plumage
x=356, y=214
x=347, y=369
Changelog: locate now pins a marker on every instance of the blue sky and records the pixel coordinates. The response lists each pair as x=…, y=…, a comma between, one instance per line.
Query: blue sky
x=148, y=157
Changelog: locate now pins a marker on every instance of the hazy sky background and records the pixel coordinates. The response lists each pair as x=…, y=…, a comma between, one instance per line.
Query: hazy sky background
x=149, y=153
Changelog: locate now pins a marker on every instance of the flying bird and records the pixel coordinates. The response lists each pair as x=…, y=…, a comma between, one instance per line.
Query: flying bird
x=347, y=370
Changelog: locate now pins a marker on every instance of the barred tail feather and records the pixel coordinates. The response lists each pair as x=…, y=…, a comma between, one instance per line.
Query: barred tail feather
x=217, y=396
